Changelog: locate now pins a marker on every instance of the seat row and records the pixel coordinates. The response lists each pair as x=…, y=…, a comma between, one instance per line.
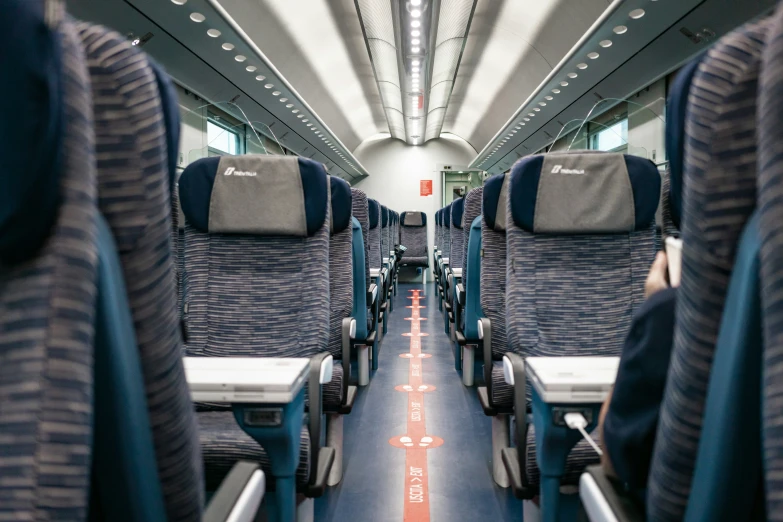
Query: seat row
x=540, y=271
x=271, y=278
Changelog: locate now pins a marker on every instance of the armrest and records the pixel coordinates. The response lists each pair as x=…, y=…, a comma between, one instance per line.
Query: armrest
x=514, y=374
x=461, y=294
x=239, y=495
x=320, y=369
x=603, y=502
x=372, y=294
x=485, y=335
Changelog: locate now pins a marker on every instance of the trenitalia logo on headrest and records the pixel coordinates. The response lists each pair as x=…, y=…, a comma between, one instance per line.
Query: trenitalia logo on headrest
x=558, y=169
x=231, y=171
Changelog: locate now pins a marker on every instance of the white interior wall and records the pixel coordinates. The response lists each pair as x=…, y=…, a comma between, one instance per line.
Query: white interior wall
x=396, y=170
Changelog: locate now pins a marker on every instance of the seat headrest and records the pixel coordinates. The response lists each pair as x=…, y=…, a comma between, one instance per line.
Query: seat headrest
x=437, y=218
x=447, y=216
x=384, y=216
x=375, y=213
x=493, y=203
x=676, y=116
x=32, y=129
x=414, y=219
x=457, y=209
x=584, y=193
x=255, y=194
x=342, y=204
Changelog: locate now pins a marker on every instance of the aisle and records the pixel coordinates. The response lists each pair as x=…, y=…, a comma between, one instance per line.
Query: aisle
x=384, y=472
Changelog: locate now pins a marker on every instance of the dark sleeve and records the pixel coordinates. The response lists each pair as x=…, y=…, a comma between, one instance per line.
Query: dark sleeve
x=632, y=418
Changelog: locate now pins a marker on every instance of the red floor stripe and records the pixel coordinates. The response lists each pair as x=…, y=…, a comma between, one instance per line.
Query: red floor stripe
x=416, y=442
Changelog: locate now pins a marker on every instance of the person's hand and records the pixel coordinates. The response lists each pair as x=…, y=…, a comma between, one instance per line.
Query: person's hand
x=656, y=279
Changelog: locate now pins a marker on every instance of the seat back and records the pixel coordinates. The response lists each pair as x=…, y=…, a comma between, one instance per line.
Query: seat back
x=360, y=210
x=457, y=238
x=471, y=276
x=413, y=235
x=493, y=263
x=446, y=231
x=341, y=288
x=471, y=212
x=257, y=280
x=134, y=163
x=770, y=204
x=359, y=310
x=719, y=197
x=580, y=240
x=437, y=228
x=47, y=273
x=385, y=231
x=375, y=233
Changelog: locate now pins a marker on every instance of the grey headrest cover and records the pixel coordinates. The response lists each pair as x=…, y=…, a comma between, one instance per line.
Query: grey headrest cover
x=258, y=195
x=413, y=219
x=597, y=190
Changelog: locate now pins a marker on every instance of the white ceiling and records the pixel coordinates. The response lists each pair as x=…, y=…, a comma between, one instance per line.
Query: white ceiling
x=319, y=47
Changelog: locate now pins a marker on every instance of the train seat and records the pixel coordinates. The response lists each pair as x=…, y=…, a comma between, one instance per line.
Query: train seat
x=47, y=273
x=413, y=236
x=718, y=338
x=136, y=150
x=720, y=176
x=576, y=273
x=361, y=211
x=454, y=270
x=466, y=316
x=257, y=285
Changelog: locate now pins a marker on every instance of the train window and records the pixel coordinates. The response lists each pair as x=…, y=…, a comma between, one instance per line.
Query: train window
x=223, y=139
x=609, y=138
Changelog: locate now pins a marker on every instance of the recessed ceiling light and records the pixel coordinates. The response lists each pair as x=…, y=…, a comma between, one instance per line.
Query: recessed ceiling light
x=526, y=119
x=300, y=115
x=414, y=23
x=531, y=114
x=620, y=29
x=581, y=66
x=295, y=111
x=635, y=14
x=214, y=33
x=415, y=62
x=305, y=120
x=521, y=123
x=572, y=75
x=593, y=55
x=180, y=2
x=517, y=127
x=276, y=93
x=415, y=33
x=415, y=41
x=556, y=91
x=536, y=109
x=548, y=98
x=415, y=49
x=415, y=3
x=543, y=104
x=563, y=84
x=198, y=17
x=512, y=132
x=250, y=68
x=228, y=46
x=605, y=43
x=269, y=85
x=240, y=58
x=415, y=13
x=289, y=105
x=415, y=75
x=260, y=78
x=309, y=124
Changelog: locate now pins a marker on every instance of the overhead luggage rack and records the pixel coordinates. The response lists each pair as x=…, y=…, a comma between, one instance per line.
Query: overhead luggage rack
x=633, y=43
x=201, y=45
